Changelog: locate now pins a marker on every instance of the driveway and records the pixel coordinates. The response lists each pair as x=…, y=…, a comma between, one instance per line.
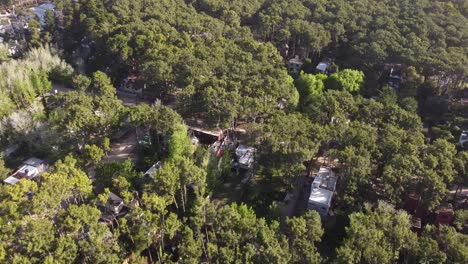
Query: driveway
x=123, y=149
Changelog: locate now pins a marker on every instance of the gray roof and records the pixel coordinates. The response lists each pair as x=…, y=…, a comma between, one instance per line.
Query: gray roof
x=323, y=66
x=325, y=179
x=152, y=169
x=35, y=162
x=320, y=196
x=40, y=11
x=323, y=187
x=463, y=138
x=31, y=168
x=296, y=61
x=242, y=149
x=114, y=199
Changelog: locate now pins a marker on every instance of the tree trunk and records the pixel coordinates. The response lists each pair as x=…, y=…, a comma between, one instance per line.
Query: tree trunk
x=175, y=202
x=185, y=195
x=150, y=257
x=130, y=235
x=182, y=199
x=162, y=231
x=157, y=252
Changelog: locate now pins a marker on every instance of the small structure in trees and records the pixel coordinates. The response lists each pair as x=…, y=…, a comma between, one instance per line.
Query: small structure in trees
x=322, y=190
x=445, y=215
x=114, y=207
x=295, y=64
x=152, y=169
x=129, y=85
x=40, y=11
x=205, y=135
x=464, y=139
x=245, y=156
x=395, y=77
x=30, y=169
x=326, y=66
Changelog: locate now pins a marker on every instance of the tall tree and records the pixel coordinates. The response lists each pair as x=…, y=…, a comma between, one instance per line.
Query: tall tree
x=304, y=232
x=376, y=235
x=345, y=80
x=288, y=140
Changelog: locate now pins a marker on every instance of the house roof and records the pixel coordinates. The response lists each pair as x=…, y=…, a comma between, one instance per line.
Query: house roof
x=214, y=132
x=246, y=158
x=245, y=154
x=114, y=199
x=152, y=169
x=40, y=11
x=322, y=66
x=28, y=171
x=296, y=60
x=11, y=180
x=464, y=135
x=320, y=196
x=325, y=179
x=35, y=162
x=463, y=138
x=323, y=187
x=242, y=149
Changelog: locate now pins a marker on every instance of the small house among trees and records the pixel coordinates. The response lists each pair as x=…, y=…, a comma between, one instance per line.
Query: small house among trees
x=30, y=169
x=245, y=156
x=113, y=208
x=321, y=192
x=464, y=139
x=295, y=65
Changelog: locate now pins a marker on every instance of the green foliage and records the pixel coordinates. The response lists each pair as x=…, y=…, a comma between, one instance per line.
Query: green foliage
x=239, y=232
x=179, y=143
x=34, y=37
x=305, y=230
x=6, y=104
x=92, y=154
x=221, y=72
x=81, y=82
x=377, y=235
x=221, y=62
x=461, y=166
x=428, y=251
x=452, y=244
x=370, y=33
x=23, y=80
x=106, y=145
x=345, y=80
x=65, y=181
x=82, y=114
x=115, y=175
x=309, y=86
x=49, y=20
x=461, y=220
x=3, y=170
x=288, y=140
x=190, y=248
x=4, y=53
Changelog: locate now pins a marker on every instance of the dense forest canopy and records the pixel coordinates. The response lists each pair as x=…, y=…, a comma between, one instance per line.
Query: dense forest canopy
x=227, y=68
x=129, y=181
